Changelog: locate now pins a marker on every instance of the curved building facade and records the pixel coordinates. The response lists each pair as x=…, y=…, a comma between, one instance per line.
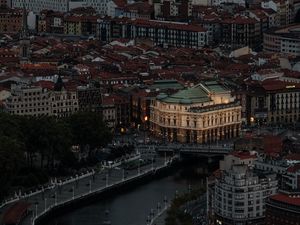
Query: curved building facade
x=204, y=113
x=283, y=208
x=283, y=40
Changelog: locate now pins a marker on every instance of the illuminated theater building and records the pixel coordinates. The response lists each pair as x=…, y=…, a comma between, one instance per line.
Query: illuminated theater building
x=204, y=113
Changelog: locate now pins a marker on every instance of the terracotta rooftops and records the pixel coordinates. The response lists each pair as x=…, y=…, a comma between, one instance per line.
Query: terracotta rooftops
x=120, y=3
x=243, y=155
x=294, y=168
x=273, y=85
x=294, y=156
x=288, y=199
x=159, y=24
x=15, y=213
x=240, y=20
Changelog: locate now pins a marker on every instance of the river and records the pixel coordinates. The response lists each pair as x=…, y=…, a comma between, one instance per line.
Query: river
x=133, y=206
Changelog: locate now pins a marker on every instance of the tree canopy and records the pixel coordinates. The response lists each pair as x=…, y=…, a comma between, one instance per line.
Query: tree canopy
x=44, y=143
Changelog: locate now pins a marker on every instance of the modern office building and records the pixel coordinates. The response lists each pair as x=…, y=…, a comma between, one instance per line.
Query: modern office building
x=204, y=113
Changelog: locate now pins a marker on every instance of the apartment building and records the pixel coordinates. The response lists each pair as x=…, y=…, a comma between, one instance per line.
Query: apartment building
x=240, y=31
x=172, y=8
x=238, y=193
x=11, y=20
x=38, y=5
x=80, y=25
x=38, y=101
x=283, y=8
x=284, y=40
x=89, y=98
x=51, y=22
x=5, y=3
x=272, y=101
x=164, y=33
x=61, y=5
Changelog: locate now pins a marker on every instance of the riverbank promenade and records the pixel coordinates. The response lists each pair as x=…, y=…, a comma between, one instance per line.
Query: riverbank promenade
x=61, y=193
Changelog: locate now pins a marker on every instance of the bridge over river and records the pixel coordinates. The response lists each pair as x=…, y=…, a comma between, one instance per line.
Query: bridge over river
x=194, y=149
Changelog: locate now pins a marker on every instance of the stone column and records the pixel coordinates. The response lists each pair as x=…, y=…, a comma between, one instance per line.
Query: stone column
x=199, y=137
x=181, y=135
x=204, y=136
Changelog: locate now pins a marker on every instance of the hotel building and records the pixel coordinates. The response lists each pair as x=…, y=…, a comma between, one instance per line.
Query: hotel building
x=204, y=113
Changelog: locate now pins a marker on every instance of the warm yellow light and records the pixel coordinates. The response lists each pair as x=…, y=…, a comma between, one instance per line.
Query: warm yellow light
x=251, y=119
x=146, y=118
x=122, y=130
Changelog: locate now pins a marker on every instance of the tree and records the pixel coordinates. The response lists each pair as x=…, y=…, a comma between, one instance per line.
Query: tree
x=89, y=131
x=61, y=141
x=11, y=158
x=10, y=126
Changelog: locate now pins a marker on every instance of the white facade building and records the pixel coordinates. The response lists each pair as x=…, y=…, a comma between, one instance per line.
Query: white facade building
x=37, y=101
x=38, y=5
x=239, y=192
x=61, y=5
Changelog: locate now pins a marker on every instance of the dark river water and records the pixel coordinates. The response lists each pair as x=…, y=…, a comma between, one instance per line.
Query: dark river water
x=132, y=207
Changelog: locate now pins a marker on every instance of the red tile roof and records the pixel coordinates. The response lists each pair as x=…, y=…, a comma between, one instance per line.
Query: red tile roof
x=159, y=24
x=272, y=144
x=294, y=168
x=120, y=3
x=45, y=84
x=291, y=200
x=273, y=85
x=15, y=213
x=240, y=20
x=243, y=155
x=293, y=156
x=139, y=7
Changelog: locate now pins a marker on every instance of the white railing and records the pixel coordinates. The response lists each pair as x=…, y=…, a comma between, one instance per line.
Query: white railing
x=54, y=182
x=98, y=190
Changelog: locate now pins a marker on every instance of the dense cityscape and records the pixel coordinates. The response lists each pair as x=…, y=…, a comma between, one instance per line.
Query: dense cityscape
x=150, y=112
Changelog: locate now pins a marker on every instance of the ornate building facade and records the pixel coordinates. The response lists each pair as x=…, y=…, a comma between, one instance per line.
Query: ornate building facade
x=204, y=113
x=38, y=101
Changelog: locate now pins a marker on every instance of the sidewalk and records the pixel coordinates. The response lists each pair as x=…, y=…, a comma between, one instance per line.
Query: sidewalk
x=160, y=219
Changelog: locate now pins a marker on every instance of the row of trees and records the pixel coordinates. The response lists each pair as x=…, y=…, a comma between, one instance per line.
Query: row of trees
x=175, y=214
x=30, y=146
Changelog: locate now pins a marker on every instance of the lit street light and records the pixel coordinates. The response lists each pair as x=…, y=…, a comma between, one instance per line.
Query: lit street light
x=145, y=123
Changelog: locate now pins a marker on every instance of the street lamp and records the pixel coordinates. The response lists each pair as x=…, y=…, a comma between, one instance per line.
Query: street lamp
x=36, y=209
x=45, y=203
x=90, y=185
x=145, y=123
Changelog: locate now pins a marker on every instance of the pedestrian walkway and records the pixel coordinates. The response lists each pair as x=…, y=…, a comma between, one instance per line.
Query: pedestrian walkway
x=79, y=187
x=160, y=218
